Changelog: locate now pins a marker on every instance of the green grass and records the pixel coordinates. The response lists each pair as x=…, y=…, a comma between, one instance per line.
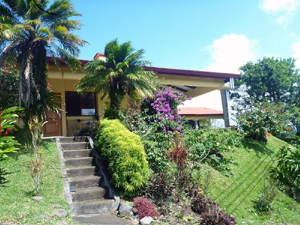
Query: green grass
x=236, y=192
x=17, y=205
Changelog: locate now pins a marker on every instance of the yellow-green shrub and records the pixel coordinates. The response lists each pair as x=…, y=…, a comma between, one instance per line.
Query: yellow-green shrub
x=125, y=154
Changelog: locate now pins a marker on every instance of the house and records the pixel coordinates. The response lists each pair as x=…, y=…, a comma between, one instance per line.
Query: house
x=196, y=115
x=78, y=108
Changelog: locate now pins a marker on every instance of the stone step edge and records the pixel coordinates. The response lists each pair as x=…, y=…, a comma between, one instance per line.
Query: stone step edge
x=79, y=190
x=80, y=167
x=80, y=158
x=83, y=149
x=83, y=178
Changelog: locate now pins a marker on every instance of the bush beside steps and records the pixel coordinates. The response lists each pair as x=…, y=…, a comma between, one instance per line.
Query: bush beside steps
x=125, y=154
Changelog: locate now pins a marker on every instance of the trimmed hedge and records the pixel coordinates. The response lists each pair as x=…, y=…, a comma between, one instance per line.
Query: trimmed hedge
x=125, y=154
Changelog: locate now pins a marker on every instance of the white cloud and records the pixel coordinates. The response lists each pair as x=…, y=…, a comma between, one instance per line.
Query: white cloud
x=230, y=52
x=296, y=55
x=284, y=10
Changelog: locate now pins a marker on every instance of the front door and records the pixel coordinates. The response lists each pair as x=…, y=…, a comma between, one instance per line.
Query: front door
x=53, y=126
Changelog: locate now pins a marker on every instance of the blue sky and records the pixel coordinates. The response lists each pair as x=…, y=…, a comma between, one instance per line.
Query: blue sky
x=211, y=35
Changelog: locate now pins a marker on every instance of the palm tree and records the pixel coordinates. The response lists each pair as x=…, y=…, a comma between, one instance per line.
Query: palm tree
x=120, y=74
x=29, y=32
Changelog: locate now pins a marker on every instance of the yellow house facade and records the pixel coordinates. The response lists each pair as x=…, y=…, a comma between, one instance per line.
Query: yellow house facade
x=77, y=109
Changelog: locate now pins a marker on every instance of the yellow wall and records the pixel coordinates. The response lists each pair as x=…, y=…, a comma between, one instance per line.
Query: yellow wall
x=72, y=124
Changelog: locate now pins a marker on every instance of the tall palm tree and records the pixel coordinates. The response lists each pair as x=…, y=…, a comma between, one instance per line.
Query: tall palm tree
x=120, y=74
x=29, y=32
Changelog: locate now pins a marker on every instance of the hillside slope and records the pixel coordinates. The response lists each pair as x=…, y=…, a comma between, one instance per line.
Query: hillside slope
x=236, y=192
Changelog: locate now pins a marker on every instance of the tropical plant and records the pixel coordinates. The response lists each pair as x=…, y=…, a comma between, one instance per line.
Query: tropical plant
x=120, y=74
x=36, y=164
x=287, y=170
x=9, y=79
x=29, y=32
x=261, y=118
x=7, y=143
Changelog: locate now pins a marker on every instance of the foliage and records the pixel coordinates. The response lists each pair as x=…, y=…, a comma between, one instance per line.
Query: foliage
x=178, y=154
x=125, y=154
x=91, y=128
x=35, y=127
x=164, y=104
x=260, y=119
x=211, y=146
x=120, y=74
x=287, y=170
x=217, y=217
x=144, y=207
x=153, y=139
x=7, y=143
x=268, y=80
x=35, y=167
x=210, y=211
x=28, y=35
x=36, y=164
x=9, y=79
x=156, y=128
x=159, y=188
x=264, y=203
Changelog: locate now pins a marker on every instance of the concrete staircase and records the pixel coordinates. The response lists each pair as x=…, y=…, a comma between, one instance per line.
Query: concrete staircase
x=85, y=190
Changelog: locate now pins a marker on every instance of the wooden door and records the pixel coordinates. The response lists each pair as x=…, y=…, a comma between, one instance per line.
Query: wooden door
x=54, y=125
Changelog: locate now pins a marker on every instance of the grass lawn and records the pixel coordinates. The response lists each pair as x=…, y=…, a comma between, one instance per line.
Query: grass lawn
x=236, y=192
x=17, y=205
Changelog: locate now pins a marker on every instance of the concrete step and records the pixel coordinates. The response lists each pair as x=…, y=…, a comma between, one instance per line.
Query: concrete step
x=84, y=182
x=77, y=153
x=74, y=146
x=83, y=161
x=73, y=139
x=88, y=194
x=81, y=171
x=93, y=207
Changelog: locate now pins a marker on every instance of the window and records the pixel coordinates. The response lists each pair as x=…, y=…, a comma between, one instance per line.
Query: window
x=80, y=104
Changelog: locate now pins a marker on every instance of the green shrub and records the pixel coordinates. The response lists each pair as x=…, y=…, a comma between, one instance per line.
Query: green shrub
x=125, y=154
x=213, y=145
x=287, y=170
x=261, y=118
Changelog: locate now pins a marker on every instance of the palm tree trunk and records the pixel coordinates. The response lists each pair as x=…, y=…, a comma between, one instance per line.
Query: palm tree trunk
x=25, y=79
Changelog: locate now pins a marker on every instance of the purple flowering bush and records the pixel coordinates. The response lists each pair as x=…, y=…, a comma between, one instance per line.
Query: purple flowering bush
x=155, y=122
x=164, y=105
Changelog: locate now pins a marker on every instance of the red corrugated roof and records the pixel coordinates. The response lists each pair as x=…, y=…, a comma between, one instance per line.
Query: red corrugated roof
x=191, y=73
x=198, y=111
x=163, y=71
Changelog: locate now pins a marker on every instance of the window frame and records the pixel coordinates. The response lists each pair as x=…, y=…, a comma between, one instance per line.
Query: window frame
x=80, y=103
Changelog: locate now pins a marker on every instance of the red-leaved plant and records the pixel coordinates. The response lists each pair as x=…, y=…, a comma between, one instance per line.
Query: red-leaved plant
x=178, y=154
x=144, y=207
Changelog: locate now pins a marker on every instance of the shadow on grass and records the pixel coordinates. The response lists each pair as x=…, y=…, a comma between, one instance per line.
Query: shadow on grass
x=258, y=146
x=3, y=173
x=30, y=193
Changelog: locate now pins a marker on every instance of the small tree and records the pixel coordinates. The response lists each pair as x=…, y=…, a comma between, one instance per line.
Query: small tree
x=120, y=74
x=269, y=79
x=36, y=164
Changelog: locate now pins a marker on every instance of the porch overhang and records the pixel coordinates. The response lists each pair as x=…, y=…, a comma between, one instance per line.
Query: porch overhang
x=192, y=82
